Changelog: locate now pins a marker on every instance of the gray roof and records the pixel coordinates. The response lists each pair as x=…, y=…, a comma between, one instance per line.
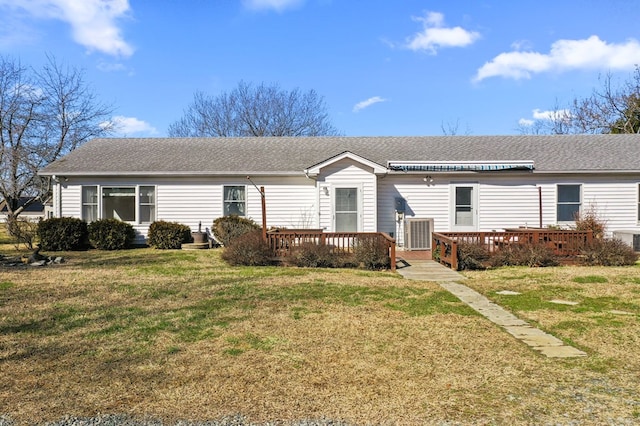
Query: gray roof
x=290, y=155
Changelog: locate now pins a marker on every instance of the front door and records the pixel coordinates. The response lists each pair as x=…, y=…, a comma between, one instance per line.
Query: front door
x=346, y=210
x=464, y=208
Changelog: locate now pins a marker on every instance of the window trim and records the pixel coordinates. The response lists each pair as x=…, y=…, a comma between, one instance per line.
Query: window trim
x=565, y=203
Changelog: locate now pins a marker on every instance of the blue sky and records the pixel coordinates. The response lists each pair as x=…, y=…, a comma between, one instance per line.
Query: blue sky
x=392, y=67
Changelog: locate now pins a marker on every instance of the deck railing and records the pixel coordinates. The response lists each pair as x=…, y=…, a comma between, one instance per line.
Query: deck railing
x=284, y=241
x=563, y=243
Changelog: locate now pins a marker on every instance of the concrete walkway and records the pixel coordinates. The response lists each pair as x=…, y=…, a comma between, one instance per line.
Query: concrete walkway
x=429, y=270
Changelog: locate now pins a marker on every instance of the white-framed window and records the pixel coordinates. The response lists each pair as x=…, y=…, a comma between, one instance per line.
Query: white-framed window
x=147, y=197
x=90, y=203
x=235, y=202
x=569, y=202
x=136, y=204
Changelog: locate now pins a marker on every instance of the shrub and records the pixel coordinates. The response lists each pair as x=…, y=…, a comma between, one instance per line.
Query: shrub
x=371, y=253
x=248, y=250
x=472, y=256
x=228, y=228
x=63, y=234
x=590, y=221
x=313, y=255
x=538, y=255
x=608, y=252
x=111, y=234
x=168, y=235
x=23, y=230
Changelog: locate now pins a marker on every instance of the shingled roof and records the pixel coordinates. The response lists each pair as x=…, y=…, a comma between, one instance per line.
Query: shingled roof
x=289, y=155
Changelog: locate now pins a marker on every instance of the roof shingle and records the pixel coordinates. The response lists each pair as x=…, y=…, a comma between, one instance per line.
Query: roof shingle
x=289, y=155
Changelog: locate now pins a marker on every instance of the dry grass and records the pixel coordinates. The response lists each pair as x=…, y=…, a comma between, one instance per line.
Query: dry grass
x=179, y=335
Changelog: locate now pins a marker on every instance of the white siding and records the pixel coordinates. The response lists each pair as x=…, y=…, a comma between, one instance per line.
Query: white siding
x=424, y=200
x=507, y=202
x=290, y=201
x=348, y=173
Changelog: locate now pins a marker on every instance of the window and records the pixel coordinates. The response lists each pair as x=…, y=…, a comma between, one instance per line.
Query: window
x=569, y=197
x=90, y=203
x=234, y=201
x=346, y=209
x=125, y=203
x=119, y=203
x=147, y=196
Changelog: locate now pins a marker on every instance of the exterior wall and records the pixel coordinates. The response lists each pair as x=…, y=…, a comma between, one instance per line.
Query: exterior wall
x=506, y=202
x=348, y=173
x=290, y=201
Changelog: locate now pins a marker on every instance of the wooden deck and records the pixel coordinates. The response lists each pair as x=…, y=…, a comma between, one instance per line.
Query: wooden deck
x=283, y=241
x=563, y=243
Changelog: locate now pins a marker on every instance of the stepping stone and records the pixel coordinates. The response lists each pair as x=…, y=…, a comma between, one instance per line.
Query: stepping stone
x=563, y=302
x=560, y=351
x=508, y=292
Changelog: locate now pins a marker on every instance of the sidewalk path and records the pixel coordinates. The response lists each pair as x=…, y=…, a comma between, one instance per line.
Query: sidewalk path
x=429, y=270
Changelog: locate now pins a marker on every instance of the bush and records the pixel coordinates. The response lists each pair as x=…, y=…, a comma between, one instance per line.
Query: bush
x=248, y=250
x=168, y=235
x=590, y=221
x=608, y=252
x=111, y=234
x=313, y=255
x=63, y=234
x=472, y=256
x=228, y=228
x=538, y=255
x=372, y=253
x=23, y=230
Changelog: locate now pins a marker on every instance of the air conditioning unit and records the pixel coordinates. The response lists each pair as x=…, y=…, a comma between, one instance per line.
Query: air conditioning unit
x=417, y=234
x=632, y=238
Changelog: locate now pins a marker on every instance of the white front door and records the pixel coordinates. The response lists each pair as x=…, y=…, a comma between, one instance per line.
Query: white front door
x=346, y=211
x=464, y=209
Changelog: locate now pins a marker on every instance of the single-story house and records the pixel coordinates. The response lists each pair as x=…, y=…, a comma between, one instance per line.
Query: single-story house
x=33, y=212
x=407, y=187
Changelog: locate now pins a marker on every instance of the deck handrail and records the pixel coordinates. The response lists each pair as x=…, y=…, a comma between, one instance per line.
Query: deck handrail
x=283, y=241
x=564, y=243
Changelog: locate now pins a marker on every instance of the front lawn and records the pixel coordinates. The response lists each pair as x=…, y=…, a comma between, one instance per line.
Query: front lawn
x=179, y=335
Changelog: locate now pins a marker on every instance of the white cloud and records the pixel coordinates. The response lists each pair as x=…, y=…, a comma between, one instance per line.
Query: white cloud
x=277, y=5
x=93, y=22
x=367, y=103
x=435, y=35
x=548, y=115
x=130, y=125
x=565, y=55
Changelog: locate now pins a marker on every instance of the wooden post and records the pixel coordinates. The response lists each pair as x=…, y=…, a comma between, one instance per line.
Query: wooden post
x=393, y=256
x=264, y=214
x=540, y=205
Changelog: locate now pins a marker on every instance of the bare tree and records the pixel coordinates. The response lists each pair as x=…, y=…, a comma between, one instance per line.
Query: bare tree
x=452, y=129
x=44, y=114
x=254, y=111
x=609, y=109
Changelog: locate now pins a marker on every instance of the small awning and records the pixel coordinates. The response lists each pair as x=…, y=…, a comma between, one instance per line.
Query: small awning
x=458, y=166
